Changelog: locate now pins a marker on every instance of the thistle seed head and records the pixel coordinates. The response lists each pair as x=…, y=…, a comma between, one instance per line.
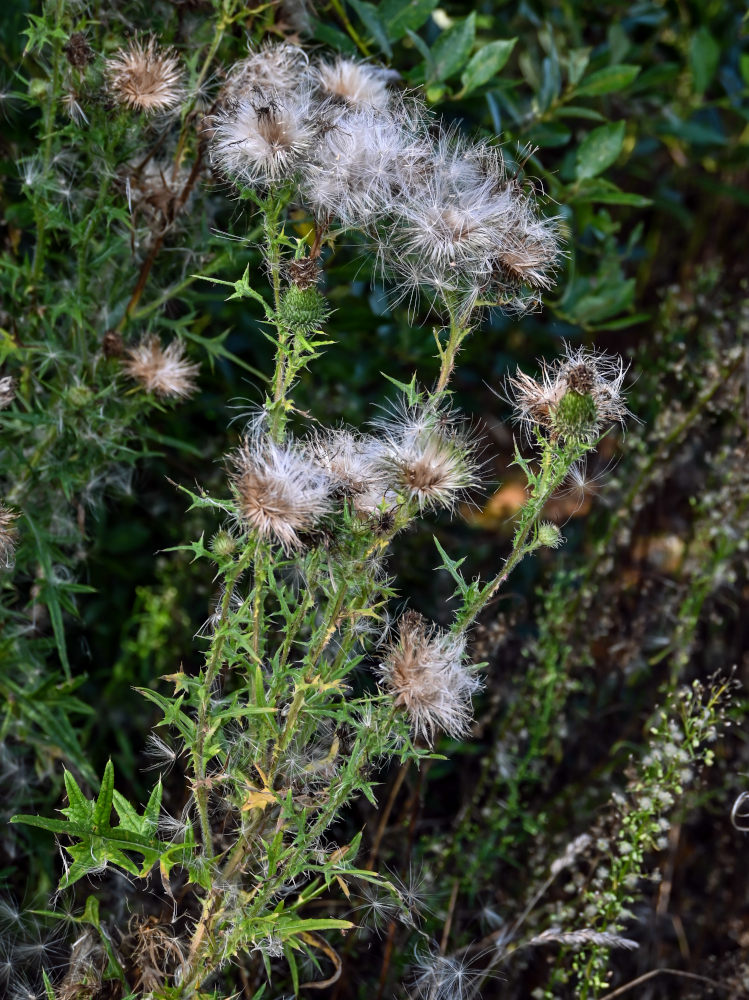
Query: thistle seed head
x=428, y=455
x=360, y=167
x=7, y=391
x=280, y=490
x=424, y=671
x=8, y=536
x=145, y=77
x=354, y=463
x=274, y=67
x=577, y=396
x=354, y=83
x=161, y=370
x=263, y=137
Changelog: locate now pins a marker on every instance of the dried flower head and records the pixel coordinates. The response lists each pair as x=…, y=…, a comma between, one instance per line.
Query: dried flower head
x=262, y=137
x=361, y=165
x=354, y=83
x=429, y=455
x=161, y=370
x=577, y=396
x=77, y=50
x=280, y=490
x=465, y=229
x=112, y=344
x=154, y=192
x=146, y=77
x=355, y=464
x=7, y=391
x=8, y=536
x=424, y=671
x=275, y=67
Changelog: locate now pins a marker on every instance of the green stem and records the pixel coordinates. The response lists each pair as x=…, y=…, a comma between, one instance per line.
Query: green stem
x=341, y=12
x=555, y=464
x=448, y=353
x=211, y=672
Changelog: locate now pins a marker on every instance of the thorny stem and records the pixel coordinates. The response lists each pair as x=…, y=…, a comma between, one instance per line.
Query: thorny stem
x=554, y=467
x=448, y=353
x=212, y=668
x=273, y=256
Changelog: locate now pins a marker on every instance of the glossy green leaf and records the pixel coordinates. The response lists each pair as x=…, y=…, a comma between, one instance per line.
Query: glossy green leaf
x=607, y=80
x=400, y=16
x=606, y=193
x=374, y=25
x=577, y=63
x=486, y=63
x=704, y=56
x=599, y=149
x=452, y=49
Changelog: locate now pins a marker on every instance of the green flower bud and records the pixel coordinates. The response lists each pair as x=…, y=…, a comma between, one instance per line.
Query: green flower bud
x=549, y=535
x=78, y=396
x=575, y=417
x=223, y=544
x=303, y=309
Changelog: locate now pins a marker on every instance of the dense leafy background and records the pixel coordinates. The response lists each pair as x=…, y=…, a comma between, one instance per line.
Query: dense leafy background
x=633, y=122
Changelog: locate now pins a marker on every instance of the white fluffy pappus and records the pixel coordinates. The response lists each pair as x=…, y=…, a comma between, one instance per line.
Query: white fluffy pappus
x=263, y=137
x=355, y=83
x=424, y=671
x=360, y=167
x=428, y=454
x=281, y=492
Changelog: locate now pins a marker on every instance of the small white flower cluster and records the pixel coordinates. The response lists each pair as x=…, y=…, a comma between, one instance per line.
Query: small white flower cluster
x=444, y=213
x=423, y=458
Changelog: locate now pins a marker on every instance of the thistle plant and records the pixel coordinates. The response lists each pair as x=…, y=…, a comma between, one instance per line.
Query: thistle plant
x=305, y=687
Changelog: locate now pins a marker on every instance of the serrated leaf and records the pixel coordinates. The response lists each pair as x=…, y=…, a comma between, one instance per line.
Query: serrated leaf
x=153, y=806
x=486, y=63
x=452, y=48
x=608, y=80
x=103, y=807
x=126, y=814
x=453, y=568
x=599, y=149
x=409, y=390
x=79, y=808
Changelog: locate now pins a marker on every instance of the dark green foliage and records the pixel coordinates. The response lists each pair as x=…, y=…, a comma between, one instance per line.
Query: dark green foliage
x=295, y=802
